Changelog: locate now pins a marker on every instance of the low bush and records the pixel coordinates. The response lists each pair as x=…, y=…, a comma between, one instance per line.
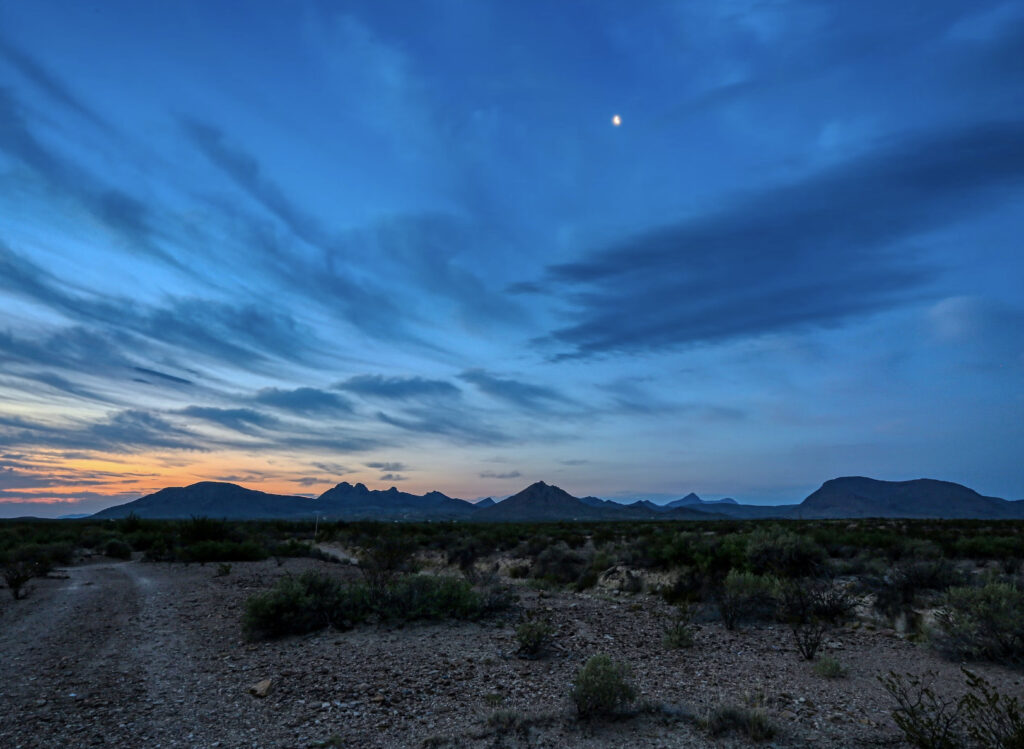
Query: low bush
x=603, y=687
x=314, y=601
x=117, y=549
x=985, y=622
x=746, y=597
x=987, y=718
x=829, y=668
x=783, y=553
x=16, y=575
x=534, y=637
x=679, y=632
x=750, y=722
x=222, y=551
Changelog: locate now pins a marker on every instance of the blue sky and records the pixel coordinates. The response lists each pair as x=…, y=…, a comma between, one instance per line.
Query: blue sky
x=403, y=243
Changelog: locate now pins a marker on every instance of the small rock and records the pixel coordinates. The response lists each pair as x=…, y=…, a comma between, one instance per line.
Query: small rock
x=260, y=688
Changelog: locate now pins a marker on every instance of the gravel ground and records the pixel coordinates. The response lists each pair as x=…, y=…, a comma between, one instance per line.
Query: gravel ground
x=131, y=654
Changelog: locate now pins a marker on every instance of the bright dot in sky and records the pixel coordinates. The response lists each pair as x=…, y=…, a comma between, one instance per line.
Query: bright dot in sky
x=616, y=120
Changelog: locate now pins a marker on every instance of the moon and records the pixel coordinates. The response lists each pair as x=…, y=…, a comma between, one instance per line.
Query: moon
x=616, y=120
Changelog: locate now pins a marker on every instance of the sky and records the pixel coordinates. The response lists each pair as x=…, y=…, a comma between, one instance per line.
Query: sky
x=404, y=243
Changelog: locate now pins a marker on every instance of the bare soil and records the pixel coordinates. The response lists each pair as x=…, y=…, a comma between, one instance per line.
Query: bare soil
x=132, y=654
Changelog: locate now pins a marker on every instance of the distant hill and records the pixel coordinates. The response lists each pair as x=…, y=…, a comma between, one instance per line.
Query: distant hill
x=541, y=502
x=213, y=499
x=856, y=496
x=358, y=502
x=849, y=497
x=693, y=499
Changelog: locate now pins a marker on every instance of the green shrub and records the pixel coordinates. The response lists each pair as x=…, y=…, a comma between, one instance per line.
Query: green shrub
x=602, y=688
x=985, y=622
x=118, y=549
x=297, y=605
x=314, y=601
x=427, y=597
x=783, y=553
x=679, y=632
x=534, y=637
x=746, y=597
x=752, y=723
x=829, y=668
x=560, y=564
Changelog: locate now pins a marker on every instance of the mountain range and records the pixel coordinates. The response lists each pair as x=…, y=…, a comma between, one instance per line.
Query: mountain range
x=848, y=497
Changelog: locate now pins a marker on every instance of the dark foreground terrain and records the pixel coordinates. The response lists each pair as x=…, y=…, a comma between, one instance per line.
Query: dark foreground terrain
x=131, y=653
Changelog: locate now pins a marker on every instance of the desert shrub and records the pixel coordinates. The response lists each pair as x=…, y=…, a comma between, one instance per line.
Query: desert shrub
x=560, y=564
x=222, y=551
x=314, y=601
x=223, y=569
x=989, y=719
x=908, y=578
x=534, y=637
x=993, y=720
x=829, y=668
x=679, y=632
x=750, y=722
x=809, y=607
x=746, y=597
x=927, y=720
x=689, y=586
x=297, y=605
x=427, y=597
x=16, y=575
x=387, y=557
x=603, y=687
x=200, y=529
x=985, y=622
x=783, y=553
x=118, y=549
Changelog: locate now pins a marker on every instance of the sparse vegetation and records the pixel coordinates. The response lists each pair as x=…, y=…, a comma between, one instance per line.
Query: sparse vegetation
x=981, y=717
x=829, y=668
x=679, y=632
x=746, y=597
x=603, y=688
x=534, y=637
x=983, y=622
x=750, y=722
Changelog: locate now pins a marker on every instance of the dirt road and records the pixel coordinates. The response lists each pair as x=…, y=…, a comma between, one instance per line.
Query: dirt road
x=106, y=657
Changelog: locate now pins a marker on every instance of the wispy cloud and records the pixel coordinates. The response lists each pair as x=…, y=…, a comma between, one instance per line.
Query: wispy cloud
x=522, y=394
x=398, y=388
x=788, y=257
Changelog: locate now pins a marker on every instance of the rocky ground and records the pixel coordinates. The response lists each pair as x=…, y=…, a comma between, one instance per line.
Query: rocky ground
x=138, y=654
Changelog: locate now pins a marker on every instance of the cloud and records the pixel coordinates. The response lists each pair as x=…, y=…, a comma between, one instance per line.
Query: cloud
x=392, y=477
x=398, y=388
x=114, y=208
x=815, y=252
x=522, y=394
x=444, y=422
x=335, y=469
x=385, y=466
x=303, y=400
x=239, y=419
x=245, y=335
x=47, y=82
x=163, y=376
x=493, y=475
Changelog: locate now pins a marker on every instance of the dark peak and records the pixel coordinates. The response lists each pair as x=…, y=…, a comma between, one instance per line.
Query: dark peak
x=393, y=490
x=361, y=488
x=538, y=485
x=343, y=485
x=692, y=497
